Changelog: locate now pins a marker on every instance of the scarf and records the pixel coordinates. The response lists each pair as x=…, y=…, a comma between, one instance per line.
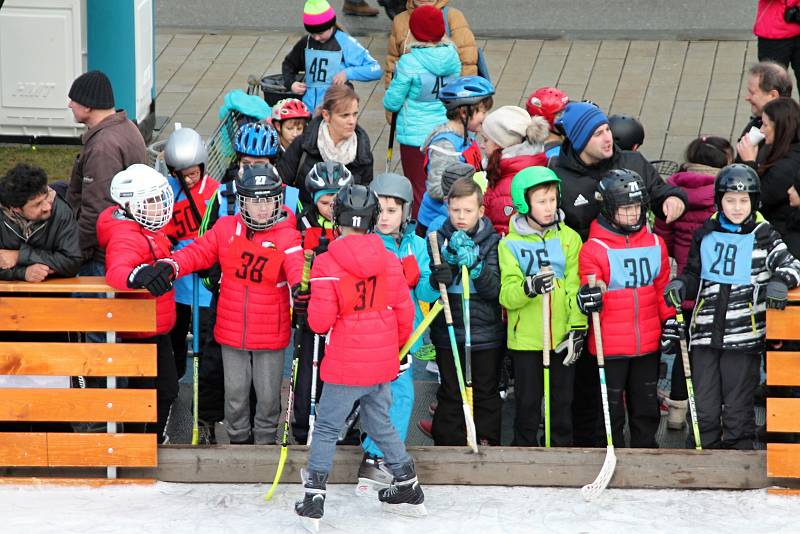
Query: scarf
x=343, y=152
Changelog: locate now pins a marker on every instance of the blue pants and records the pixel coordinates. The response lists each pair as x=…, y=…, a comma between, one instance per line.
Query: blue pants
x=334, y=406
x=399, y=412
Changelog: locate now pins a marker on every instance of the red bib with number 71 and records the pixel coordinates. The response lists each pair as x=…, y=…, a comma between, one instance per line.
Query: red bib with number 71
x=250, y=263
x=363, y=294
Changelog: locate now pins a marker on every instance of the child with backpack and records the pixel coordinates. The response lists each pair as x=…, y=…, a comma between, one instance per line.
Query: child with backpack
x=538, y=238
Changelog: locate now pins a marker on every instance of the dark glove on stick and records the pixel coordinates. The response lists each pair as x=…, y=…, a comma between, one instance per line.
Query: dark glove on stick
x=441, y=274
x=300, y=300
x=156, y=279
x=777, y=293
x=675, y=292
x=590, y=299
x=539, y=283
x=670, y=335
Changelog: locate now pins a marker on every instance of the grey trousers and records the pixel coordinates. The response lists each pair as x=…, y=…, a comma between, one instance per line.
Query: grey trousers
x=264, y=369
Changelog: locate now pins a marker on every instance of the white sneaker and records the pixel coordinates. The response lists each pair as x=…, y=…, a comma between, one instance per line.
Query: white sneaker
x=676, y=417
x=432, y=367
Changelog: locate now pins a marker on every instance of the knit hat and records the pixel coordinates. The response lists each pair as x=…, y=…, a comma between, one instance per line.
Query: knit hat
x=511, y=125
x=93, y=90
x=580, y=120
x=427, y=24
x=318, y=16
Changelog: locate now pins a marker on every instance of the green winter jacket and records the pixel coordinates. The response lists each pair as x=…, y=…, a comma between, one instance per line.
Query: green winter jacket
x=519, y=254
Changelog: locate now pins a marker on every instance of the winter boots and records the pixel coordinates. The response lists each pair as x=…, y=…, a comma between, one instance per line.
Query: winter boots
x=373, y=474
x=676, y=417
x=312, y=507
x=404, y=496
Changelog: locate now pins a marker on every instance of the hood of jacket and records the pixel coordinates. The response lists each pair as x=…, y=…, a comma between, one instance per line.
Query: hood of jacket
x=410, y=5
x=111, y=221
x=360, y=255
x=519, y=225
x=521, y=156
x=699, y=188
x=441, y=59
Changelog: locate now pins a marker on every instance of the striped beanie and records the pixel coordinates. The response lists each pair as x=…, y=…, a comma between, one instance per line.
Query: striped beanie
x=579, y=121
x=318, y=16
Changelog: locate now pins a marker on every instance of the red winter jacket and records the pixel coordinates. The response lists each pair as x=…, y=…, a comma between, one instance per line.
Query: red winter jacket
x=497, y=199
x=127, y=245
x=182, y=226
x=769, y=20
x=360, y=296
x=253, y=305
x=631, y=319
x=678, y=234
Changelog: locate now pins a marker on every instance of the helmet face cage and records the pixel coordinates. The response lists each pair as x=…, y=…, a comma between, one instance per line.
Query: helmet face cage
x=152, y=209
x=290, y=108
x=327, y=175
x=257, y=140
x=185, y=148
x=262, y=210
x=623, y=188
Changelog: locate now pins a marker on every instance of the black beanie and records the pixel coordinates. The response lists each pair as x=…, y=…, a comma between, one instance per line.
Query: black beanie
x=93, y=90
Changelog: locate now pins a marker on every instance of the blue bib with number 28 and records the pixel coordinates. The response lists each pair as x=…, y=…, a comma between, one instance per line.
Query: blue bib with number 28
x=727, y=258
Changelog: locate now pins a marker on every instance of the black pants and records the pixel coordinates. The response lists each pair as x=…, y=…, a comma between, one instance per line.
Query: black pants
x=586, y=412
x=528, y=393
x=632, y=389
x=183, y=321
x=783, y=51
x=448, y=420
x=165, y=384
x=678, y=390
x=302, y=386
x=724, y=383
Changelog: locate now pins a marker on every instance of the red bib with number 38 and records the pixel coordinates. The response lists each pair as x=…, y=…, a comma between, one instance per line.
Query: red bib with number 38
x=363, y=294
x=250, y=263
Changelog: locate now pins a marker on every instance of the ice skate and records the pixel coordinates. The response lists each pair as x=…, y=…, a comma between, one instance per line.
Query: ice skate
x=676, y=417
x=312, y=507
x=373, y=474
x=404, y=496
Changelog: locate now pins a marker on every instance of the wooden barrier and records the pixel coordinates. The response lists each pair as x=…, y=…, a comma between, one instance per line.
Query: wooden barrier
x=50, y=306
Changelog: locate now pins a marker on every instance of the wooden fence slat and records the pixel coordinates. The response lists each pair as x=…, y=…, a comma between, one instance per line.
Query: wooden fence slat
x=782, y=415
x=34, y=314
x=83, y=284
x=23, y=449
x=69, y=482
x=783, y=368
x=84, y=405
x=783, y=324
x=88, y=450
x=77, y=359
x=783, y=460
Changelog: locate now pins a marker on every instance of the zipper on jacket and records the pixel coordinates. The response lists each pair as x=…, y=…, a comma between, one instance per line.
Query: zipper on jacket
x=244, y=318
x=635, y=311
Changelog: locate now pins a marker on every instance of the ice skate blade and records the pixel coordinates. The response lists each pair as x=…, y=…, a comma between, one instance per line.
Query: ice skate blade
x=310, y=524
x=366, y=486
x=406, y=509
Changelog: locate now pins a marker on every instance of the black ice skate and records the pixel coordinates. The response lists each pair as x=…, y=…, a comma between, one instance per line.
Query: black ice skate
x=405, y=495
x=312, y=507
x=373, y=474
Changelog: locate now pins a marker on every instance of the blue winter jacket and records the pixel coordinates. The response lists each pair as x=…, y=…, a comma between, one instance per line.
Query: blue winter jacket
x=414, y=91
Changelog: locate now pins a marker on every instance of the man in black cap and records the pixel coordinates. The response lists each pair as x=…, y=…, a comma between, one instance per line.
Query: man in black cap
x=111, y=143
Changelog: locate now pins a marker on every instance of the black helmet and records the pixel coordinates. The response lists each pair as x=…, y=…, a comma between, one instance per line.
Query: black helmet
x=622, y=187
x=260, y=184
x=356, y=206
x=628, y=132
x=327, y=175
x=738, y=178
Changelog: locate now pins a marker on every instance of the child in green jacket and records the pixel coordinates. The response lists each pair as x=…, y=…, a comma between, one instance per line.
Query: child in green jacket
x=537, y=238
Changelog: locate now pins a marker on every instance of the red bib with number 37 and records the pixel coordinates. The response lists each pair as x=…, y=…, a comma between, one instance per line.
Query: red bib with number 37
x=250, y=263
x=363, y=294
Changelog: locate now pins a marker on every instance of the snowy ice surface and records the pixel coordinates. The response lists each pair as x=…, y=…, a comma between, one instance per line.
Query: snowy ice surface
x=232, y=509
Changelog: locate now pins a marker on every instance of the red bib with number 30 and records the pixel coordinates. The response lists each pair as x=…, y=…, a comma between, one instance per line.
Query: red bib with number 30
x=363, y=294
x=250, y=263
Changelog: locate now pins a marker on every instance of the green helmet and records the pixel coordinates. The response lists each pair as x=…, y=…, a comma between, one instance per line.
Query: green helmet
x=527, y=178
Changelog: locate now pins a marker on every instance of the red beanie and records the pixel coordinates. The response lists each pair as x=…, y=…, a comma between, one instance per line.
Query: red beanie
x=427, y=24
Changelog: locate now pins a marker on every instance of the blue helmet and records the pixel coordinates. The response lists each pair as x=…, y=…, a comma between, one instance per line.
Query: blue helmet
x=257, y=139
x=465, y=91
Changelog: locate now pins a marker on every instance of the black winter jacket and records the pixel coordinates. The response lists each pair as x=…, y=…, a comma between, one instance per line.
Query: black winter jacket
x=579, y=183
x=293, y=167
x=53, y=242
x=487, y=327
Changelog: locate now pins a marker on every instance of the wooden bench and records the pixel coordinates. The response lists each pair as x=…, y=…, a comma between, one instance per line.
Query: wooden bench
x=50, y=306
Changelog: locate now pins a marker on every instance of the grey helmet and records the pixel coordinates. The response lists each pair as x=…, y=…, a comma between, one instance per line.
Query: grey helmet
x=185, y=148
x=397, y=186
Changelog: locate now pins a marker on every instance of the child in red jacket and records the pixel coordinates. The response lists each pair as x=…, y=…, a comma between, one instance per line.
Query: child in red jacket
x=360, y=298
x=132, y=238
x=632, y=264
x=260, y=255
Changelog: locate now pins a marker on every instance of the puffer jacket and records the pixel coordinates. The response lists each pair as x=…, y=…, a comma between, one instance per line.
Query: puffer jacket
x=414, y=90
x=488, y=330
x=769, y=22
x=699, y=186
x=253, y=306
x=579, y=183
x=443, y=147
x=359, y=297
x=519, y=252
x=127, y=245
x=497, y=201
x=459, y=33
x=315, y=228
x=730, y=315
x=633, y=307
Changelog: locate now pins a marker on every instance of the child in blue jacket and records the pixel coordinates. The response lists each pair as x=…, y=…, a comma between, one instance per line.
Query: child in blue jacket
x=327, y=55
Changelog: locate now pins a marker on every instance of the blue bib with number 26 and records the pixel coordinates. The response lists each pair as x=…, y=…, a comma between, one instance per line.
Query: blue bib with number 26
x=727, y=258
x=530, y=254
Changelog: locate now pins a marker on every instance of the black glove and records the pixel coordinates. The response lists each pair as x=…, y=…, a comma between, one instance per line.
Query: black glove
x=157, y=279
x=441, y=274
x=538, y=284
x=590, y=299
x=570, y=349
x=300, y=300
x=777, y=293
x=670, y=335
x=323, y=246
x=675, y=292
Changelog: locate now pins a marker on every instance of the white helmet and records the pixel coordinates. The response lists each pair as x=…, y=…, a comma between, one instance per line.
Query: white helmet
x=145, y=194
